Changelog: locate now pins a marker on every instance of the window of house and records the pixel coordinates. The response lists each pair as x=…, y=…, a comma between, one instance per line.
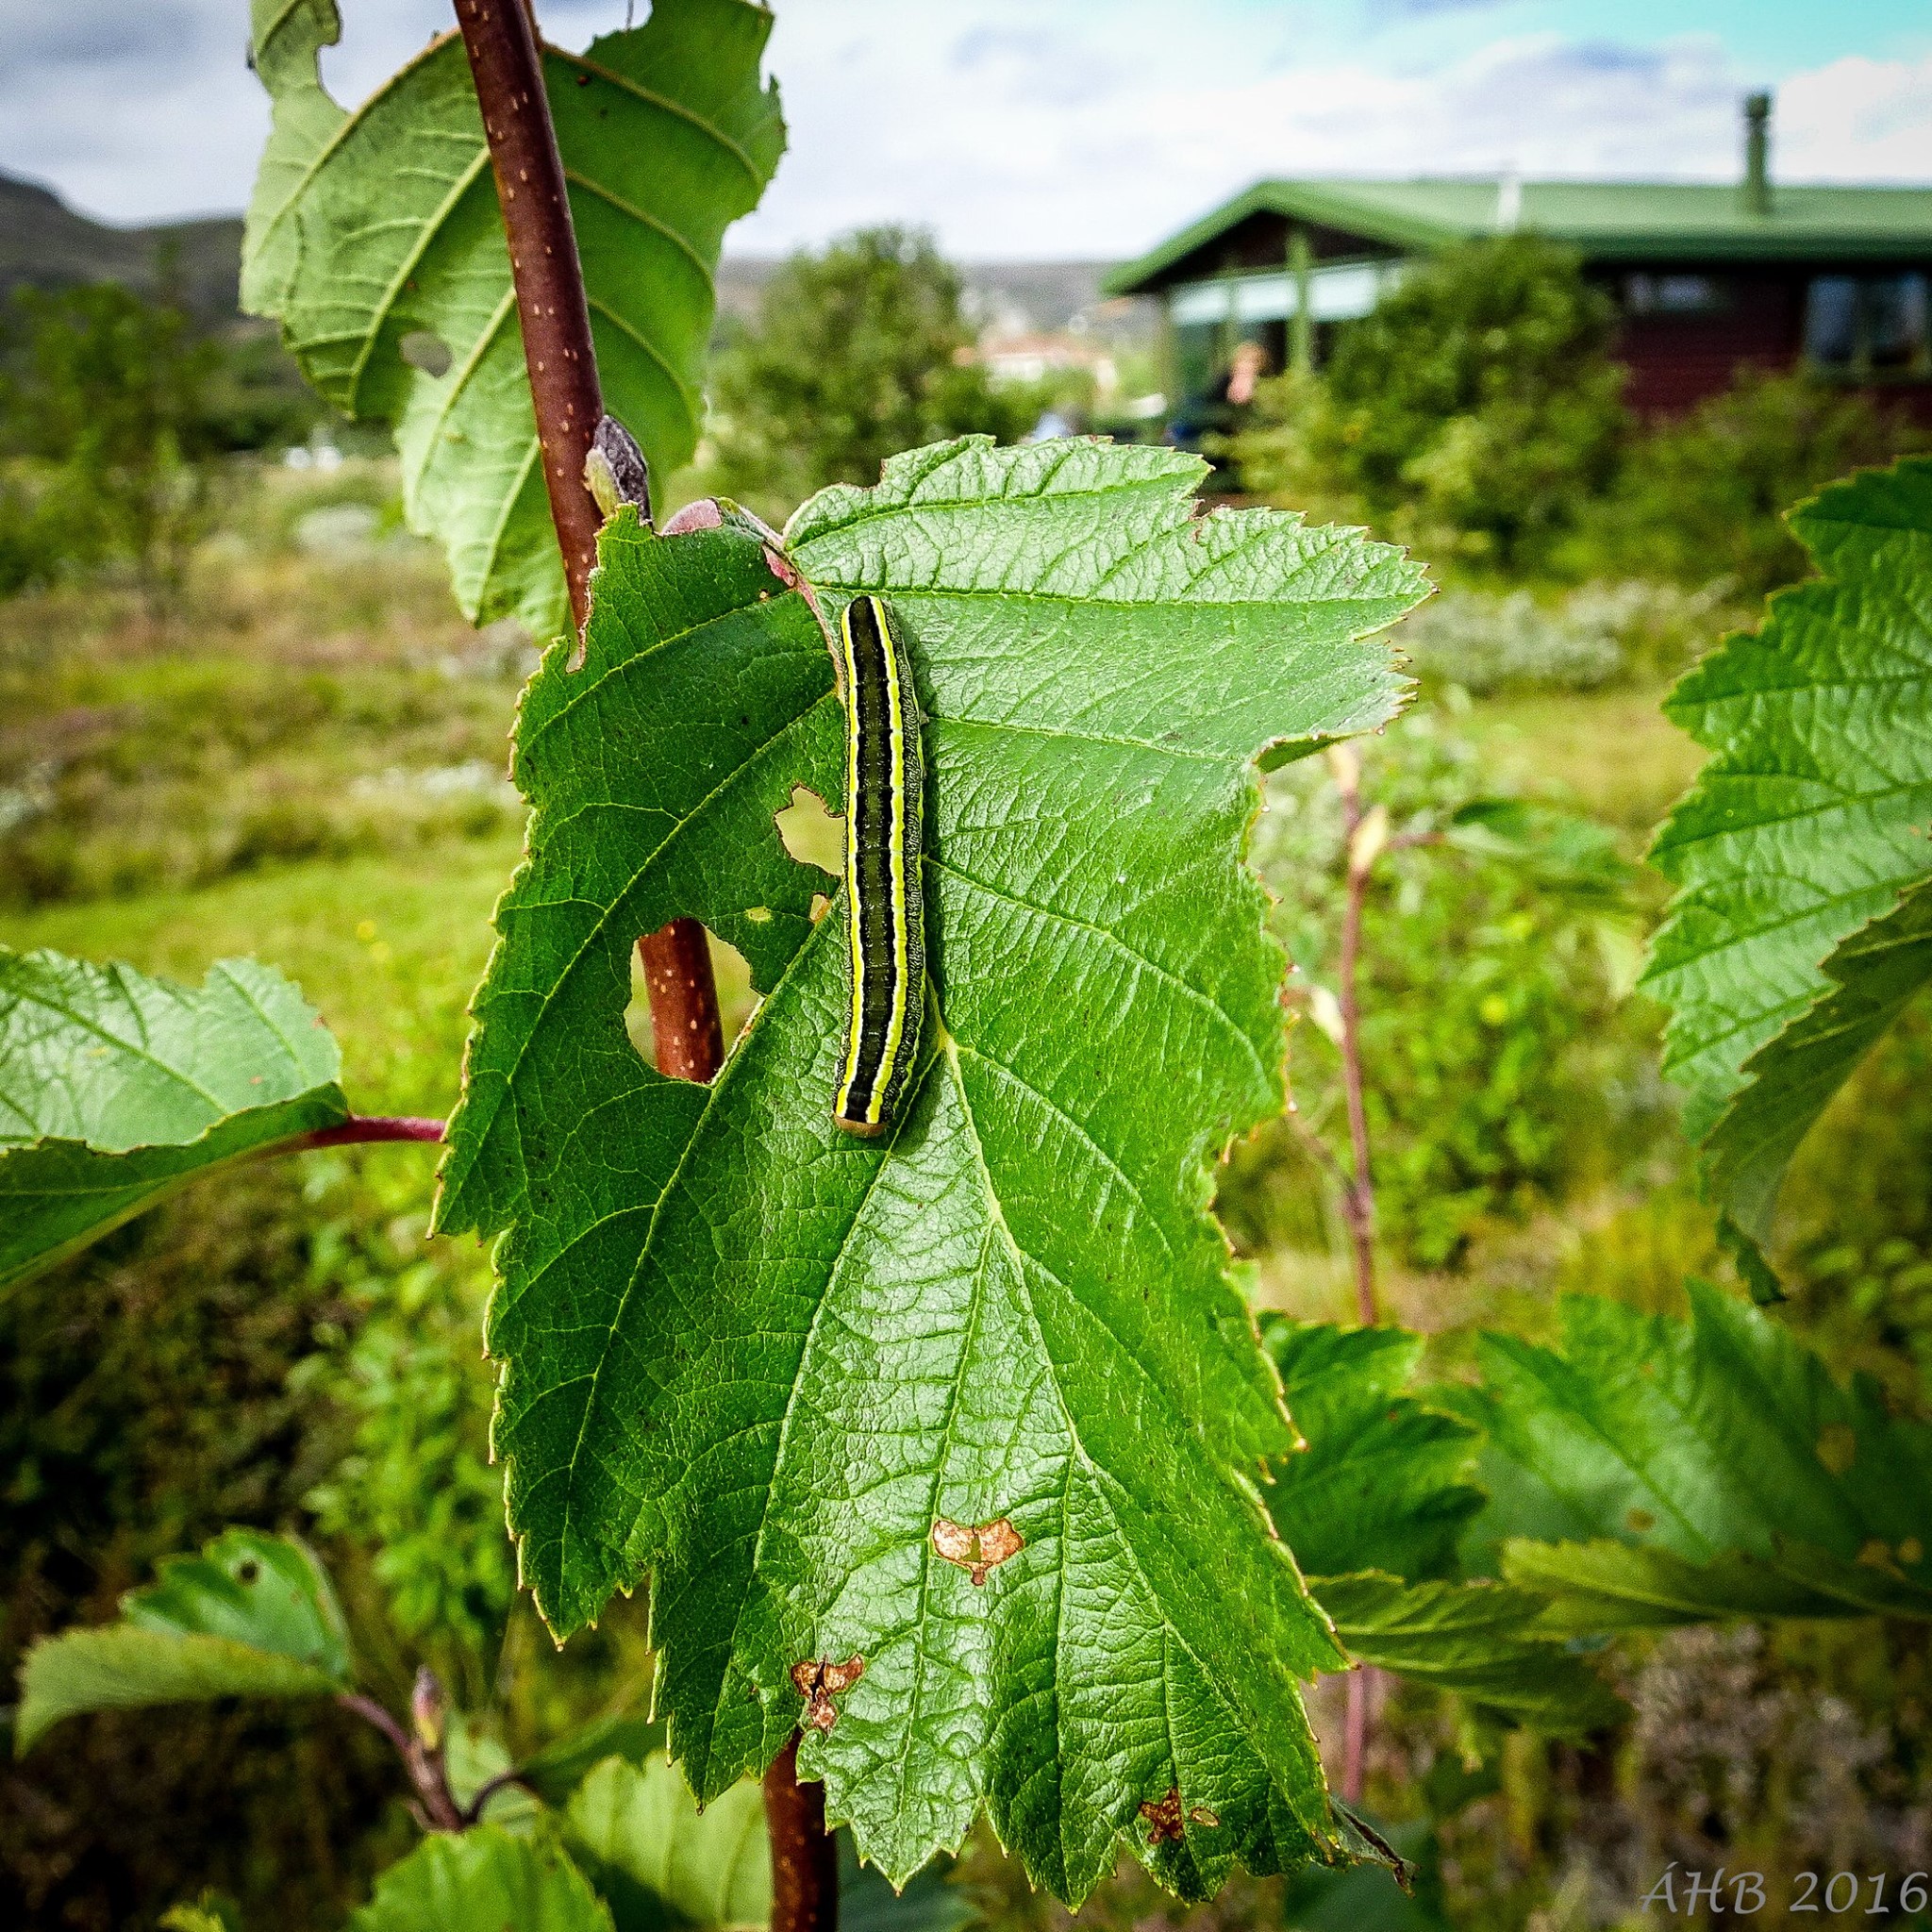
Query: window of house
x=1860, y=325
x=1675, y=294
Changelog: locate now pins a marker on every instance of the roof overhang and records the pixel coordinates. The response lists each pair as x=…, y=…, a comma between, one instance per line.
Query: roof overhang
x=1607, y=222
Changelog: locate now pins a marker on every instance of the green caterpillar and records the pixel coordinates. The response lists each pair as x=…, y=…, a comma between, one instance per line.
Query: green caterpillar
x=885, y=777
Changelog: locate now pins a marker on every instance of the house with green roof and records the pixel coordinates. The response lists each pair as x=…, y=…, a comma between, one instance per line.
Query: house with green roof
x=1707, y=280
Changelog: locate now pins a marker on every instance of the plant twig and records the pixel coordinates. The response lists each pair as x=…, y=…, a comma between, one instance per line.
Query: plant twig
x=805, y=1858
x=434, y=1803
x=1364, y=1689
x=1358, y=1193
x=1366, y=834
x=360, y=1128
x=506, y=65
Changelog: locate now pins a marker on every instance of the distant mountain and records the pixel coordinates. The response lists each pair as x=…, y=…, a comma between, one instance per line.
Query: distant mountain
x=44, y=243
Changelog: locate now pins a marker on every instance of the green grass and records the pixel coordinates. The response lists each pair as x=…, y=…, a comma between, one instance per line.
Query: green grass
x=388, y=950
x=1611, y=754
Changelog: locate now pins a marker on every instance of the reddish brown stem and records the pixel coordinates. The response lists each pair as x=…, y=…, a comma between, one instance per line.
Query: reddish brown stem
x=686, y=1031
x=805, y=1859
x=506, y=61
x=500, y=38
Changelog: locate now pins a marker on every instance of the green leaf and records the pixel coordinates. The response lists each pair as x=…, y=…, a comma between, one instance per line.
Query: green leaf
x=658, y=1860
x=760, y=1360
x=1379, y=1489
x=116, y=1088
x=252, y=1616
x=374, y=237
x=1483, y=1640
x=484, y=1878
x=1717, y=1455
x=1368, y=1899
x=1610, y=1585
x=1802, y=856
x=555, y=1771
x=1380, y=1484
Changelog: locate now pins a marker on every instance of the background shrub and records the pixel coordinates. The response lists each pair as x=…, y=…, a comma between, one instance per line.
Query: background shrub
x=1475, y=410
x=858, y=353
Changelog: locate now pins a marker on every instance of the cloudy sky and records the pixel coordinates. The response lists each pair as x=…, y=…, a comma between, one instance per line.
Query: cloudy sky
x=1043, y=128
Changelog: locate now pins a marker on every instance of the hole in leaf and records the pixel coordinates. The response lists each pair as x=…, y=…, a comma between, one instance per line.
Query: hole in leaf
x=736, y=1000
x=424, y=349
x=247, y=1570
x=819, y=907
x=812, y=835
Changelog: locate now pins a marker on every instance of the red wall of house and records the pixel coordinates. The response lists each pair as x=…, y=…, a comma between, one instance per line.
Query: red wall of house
x=1676, y=360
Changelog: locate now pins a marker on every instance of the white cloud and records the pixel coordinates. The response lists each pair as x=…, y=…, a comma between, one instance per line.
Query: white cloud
x=1015, y=127
x=1106, y=170
x=1858, y=118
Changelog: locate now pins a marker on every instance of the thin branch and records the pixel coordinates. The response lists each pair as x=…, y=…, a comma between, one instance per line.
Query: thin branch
x=1364, y=1693
x=372, y=1712
x=1359, y=1195
x=1365, y=841
x=506, y=66
x=360, y=1128
x=434, y=1804
x=487, y=1789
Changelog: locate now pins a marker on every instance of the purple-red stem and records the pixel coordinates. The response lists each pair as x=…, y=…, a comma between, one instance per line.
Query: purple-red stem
x=1358, y=1193
x=361, y=1127
x=434, y=1803
x=1358, y=1188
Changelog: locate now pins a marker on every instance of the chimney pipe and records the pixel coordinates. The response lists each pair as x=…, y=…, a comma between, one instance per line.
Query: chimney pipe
x=1756, y=154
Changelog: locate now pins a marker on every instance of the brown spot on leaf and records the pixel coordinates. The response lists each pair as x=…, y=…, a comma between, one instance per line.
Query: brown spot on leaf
x=1640, y=1519
x=977, y=1551
x=1164, y=1819
x=818, y=1680
x=1837, y=1447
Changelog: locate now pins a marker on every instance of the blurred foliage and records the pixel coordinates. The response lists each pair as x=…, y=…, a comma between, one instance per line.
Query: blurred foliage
x=1501, y=1066
x=1476, y=414
x=146, y=1401
x=1636, y=631
x=283, y=711
x=404, y=1368
x=1704, y=498
x=113, y=411
x=1472, y=413
x=858, y=353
